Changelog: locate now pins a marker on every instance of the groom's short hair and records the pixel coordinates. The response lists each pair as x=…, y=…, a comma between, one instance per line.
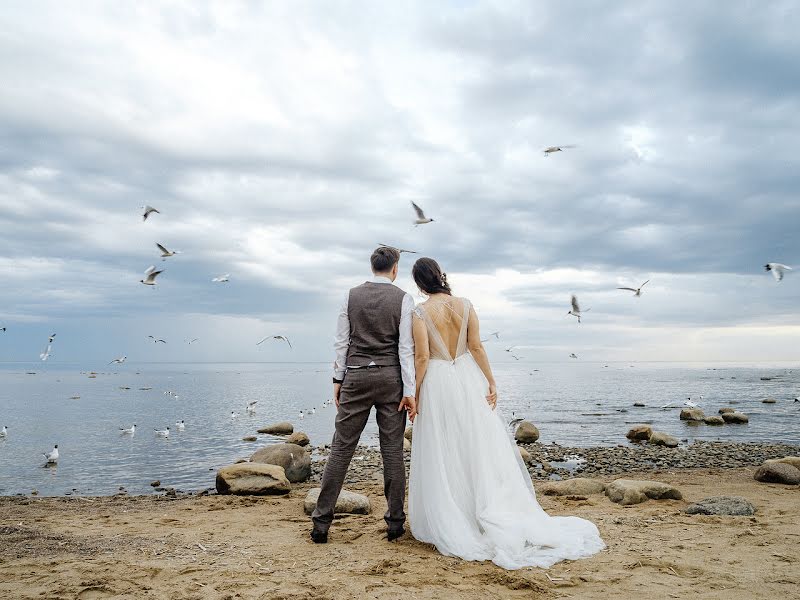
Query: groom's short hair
x=383, y=259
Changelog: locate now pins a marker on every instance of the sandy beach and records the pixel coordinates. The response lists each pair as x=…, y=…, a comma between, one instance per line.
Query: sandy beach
x=226, y=547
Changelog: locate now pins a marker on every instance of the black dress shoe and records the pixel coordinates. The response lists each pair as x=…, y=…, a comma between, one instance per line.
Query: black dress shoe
x=318, y=536
x=394, y=533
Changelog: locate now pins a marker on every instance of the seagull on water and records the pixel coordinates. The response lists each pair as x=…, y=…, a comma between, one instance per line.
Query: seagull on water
x=421, y=218
x=128, y=430
x=151, y=274
x=688, y=403
x=550, y=149
x=4, y=431
x=399, y=250
x=222, y=278
x=157, y=340
x=162, y=432
x=234, y=414
x=52, y=456
x=313, y=411
x=777, y=269
x=119, y=360
x=165, y=254
x=636, y=291
x=576, y=309
x=46, y=354
x=180, y=425
x=301, y=415
x=275, y=337
x=148, y=210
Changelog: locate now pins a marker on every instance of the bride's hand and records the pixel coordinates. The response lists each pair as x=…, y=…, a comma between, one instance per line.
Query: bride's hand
x=491, y=398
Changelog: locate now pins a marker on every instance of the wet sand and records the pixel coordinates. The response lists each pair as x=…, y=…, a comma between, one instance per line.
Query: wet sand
x=219, y=547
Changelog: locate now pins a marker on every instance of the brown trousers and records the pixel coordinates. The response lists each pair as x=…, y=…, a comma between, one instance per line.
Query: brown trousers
x=361, y=390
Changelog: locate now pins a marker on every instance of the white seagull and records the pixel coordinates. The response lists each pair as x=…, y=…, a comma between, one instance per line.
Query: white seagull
x=251, y=406
x=148, y=210
x=494, y=334
x=162, y=432
x=576, y=309
x=52, y=456
x=51, y=338
x=550, y=149
x=688, y=402
x=234, y=414
x=777, y=270
x=573, y=355
x=157, y=340
x=399, y=250
x=301, y=415
x=2, y=328
x=4, y=431
x=192, y=341
x=222, y=278
x=636, y=291
x=421, y=218
x=151, y=274
x=275, y=337
x=180, y=425
x=128, y=430
x=46, y=354
x=119, y=360
x=510, y=348
x=165, y=254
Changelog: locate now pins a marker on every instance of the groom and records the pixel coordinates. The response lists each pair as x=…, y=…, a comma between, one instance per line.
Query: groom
x=374, y=367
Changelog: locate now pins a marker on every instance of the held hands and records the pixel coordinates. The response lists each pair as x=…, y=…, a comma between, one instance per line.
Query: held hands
x=409, y=403
x=491, y=397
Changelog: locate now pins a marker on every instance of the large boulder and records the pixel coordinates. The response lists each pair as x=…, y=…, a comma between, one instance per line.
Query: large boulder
x=347, y=503
x=631, y=491
x=526, y=433
x=776, y=472
x=252, y=479
x=299, y=438
x=282, y=428
x=579, y=486
x=409, y=433
x=714, y=420
x=735, y=417
x=659, y=438
x=789, y=460
x=295, y=461
x=640, y=433
x=692, y=414
x=722, y=505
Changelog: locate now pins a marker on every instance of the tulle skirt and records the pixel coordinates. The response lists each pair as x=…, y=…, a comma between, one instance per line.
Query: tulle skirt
x=469, y=491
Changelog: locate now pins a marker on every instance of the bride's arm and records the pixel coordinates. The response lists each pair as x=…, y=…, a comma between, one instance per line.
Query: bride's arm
x=422, y=353
x=479, y=354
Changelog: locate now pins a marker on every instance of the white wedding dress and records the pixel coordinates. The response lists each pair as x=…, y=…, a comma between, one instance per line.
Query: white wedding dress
x=469, y=492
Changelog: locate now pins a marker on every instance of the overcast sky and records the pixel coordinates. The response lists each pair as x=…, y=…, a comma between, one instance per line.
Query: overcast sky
x=281, y=143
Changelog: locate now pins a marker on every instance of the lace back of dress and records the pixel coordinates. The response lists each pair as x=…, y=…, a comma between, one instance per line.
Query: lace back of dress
x=438, y=347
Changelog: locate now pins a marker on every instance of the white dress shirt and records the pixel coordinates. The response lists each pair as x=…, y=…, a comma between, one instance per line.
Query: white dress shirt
x=405, y=347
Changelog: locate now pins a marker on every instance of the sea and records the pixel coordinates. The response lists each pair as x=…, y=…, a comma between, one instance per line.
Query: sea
x=573, y=404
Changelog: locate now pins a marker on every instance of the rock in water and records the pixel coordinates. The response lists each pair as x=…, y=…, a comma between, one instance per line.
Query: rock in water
x=722, y=411
x=293, y=458
x=409, y=432
x=722, y=505
x=639, y=404
x=579, y=486
x=406, y=445
x=735, y=417
x=692, y=414
x=639, y=433
x=299, y=438
x=714, y=420
x=249, y=438
x=252, y=479
x=789, y=460
x=524, y=454
x=526, y=433
x=768, y=401
x=282, y=428
x=659, y=438
x=631, y=491
x=775, y=472
x=347, y=503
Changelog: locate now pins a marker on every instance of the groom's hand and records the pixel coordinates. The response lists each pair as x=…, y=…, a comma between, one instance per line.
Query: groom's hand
x=409, y=403
x=337, y=387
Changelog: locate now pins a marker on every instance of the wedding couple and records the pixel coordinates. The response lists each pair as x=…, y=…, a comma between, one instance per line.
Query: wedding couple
x=470, y=494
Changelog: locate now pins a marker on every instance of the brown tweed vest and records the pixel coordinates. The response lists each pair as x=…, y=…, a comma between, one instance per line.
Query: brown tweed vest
x=374, y=310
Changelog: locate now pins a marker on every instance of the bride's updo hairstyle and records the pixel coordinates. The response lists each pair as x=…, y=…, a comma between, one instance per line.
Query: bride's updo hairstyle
x=429, y=277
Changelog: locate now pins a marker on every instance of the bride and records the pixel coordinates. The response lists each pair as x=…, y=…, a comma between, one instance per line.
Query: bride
x=469, y=492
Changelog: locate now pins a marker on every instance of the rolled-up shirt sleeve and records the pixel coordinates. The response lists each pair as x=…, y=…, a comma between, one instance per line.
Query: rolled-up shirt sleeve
x=406, y=347
x=342, y=341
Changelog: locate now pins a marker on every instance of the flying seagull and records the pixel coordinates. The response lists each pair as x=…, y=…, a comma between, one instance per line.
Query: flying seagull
x=46, y=354
x=399, y=250
x=510, y=348
x=2, y=328
x=573, y=355
x=119, y=360
x=576, y=309
x=275, y=337
x=151, y=275
x=128, y=430
x=636, y=291
x=192, y=341
x=165, y=254
x=222, y=278
x=157, y=340
x=421, y=218
x=494, y=334
x=148, y=210
x=251, y=406
x=51, y=338
x=777, y=270
x=52, y=456
x=515, y=357
x=550, y=149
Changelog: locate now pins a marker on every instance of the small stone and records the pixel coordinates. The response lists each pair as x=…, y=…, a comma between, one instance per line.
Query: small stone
x=299, y=438
x=768, y=401
x=282, y=428
x=406, y=445
x=524, y=454
x=639, y=433
x=714, y=420
x=155, y=483
x=526, y=433
x=735, y=417
x=775, y=472
x=722, y=505
x=638, y=404
x=347, y=503
x=249, y=438
x=659, y=438
x=409, y=432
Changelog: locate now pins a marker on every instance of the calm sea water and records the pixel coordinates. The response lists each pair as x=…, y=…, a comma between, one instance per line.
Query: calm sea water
x=576, y=404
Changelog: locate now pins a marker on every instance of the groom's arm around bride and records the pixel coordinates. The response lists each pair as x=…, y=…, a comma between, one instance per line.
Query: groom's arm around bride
x=374, y=367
